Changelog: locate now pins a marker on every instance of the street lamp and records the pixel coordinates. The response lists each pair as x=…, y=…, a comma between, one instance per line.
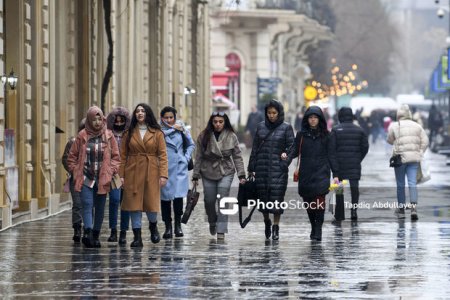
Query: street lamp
x=11, y=79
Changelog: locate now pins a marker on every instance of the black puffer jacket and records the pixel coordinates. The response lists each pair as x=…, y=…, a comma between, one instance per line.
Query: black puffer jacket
x=317, y=156
x=271, y=172
x=351, y=145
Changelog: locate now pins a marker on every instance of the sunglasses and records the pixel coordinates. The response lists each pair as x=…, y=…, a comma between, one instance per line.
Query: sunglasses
x=218, y=113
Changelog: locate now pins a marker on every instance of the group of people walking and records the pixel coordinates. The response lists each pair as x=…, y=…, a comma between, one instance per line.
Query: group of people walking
x=151, y=159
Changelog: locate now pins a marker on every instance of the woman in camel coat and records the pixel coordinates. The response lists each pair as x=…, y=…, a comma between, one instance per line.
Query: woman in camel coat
x=144, y=170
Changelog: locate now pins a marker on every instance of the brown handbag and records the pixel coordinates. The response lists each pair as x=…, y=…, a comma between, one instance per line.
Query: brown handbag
x=297, y=169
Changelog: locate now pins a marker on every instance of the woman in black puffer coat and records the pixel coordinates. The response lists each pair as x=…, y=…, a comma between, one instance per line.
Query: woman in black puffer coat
x=317, y=157
x=351, y=148
x=273, y=138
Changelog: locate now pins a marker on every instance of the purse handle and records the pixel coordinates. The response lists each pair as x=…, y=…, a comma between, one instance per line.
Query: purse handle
x=299, y=153
x=396, y=144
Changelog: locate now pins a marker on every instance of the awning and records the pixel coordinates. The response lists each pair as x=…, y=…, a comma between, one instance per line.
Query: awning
x=219, y=81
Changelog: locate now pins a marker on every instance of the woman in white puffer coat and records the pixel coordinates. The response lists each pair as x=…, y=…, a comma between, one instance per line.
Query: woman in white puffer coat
x=410, y=142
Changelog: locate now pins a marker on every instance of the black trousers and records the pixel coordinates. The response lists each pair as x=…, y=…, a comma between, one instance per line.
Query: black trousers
x=339, y=213
x=166, y=209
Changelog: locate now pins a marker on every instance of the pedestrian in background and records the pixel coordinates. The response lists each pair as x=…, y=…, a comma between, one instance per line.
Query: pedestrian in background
x=410, y=142
x=351, y=147
x=254, y=118
x=118, y=121
x=180, y=146
x=77, y=219
x=218, y=158
x=435, y=122
x=93, y=160
x=317, y=151
x=143, y=171
x=273, y=138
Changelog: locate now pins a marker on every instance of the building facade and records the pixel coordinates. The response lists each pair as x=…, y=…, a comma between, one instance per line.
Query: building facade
x=59, y=52
x=270, y=44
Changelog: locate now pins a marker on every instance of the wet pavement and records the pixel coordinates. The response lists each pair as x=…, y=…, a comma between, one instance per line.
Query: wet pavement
x=377, y=257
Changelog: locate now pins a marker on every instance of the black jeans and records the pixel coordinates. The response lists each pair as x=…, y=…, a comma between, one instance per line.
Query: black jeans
x=339, y=214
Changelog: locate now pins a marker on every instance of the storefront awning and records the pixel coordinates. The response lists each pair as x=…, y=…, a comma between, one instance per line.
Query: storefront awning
x=219, y=81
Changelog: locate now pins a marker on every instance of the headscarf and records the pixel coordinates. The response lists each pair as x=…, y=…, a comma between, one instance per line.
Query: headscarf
x=90, y=117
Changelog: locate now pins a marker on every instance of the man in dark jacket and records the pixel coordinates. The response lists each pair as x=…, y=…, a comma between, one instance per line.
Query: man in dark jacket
x=254, y=118
x=351, y=148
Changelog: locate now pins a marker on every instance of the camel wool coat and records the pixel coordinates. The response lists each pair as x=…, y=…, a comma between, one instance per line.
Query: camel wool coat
x=143, y=162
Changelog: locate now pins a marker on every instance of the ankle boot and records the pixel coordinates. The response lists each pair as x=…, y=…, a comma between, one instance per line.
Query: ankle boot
x=137, y=239
x=312, y=220
x=178, y=231
x=113, y=236
x=96, y=236
x=123, y=237
x=88, y=240
x=154, y=234
x=353, y=214
x=168, y=232
x=268, y=228
x=76, y=233
x=275, y=231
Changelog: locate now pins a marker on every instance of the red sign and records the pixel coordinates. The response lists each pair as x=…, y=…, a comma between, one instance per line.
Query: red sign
x=233, y=61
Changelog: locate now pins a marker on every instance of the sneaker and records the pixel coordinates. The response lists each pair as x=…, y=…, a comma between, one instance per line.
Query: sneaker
x=221, y=236
x=414, y=216
x=400, y=212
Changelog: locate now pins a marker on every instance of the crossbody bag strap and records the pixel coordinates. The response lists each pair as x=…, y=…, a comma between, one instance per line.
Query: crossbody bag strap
x=398, y=139
x=265, y=138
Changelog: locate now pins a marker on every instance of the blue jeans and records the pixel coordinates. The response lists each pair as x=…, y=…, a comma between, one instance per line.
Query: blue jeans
x=136, y=217
x=92, y=203
x=114, y=202
x=410, y=171
x=212, y=188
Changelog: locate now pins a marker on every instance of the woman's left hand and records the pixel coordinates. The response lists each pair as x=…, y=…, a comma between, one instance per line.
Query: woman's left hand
x=162, y=181
x=283, y=156
x=336, y=180
x=178, y=127
x=242, y=181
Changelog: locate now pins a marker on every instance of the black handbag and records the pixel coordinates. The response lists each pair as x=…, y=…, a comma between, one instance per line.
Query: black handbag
x=396, y=159
x=247, y=191
x=191, y=202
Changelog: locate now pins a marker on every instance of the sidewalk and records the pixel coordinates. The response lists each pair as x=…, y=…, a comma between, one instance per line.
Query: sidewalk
x=373, y=258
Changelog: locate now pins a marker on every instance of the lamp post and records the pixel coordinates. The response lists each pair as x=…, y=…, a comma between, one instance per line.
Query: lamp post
x=188, y=91
x=11, y=79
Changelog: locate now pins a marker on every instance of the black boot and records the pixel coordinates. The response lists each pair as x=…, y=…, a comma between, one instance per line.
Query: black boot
x=178, y=212
x=88, y=240
x=113, y=236
x=318, y=224
x=123, y=237
x=275, y=231
x=268, y=228
x=96, y=236
x=178, y=231
x=154, y=234
x=137, y=239
x=353, y=214
x=168, y=232
x=76, y=233
x=312, y=220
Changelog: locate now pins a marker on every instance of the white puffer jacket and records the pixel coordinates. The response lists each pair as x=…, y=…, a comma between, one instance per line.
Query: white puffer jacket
x=408, y=137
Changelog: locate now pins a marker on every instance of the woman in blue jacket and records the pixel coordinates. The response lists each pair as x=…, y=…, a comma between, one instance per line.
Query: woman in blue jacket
x=179, y=146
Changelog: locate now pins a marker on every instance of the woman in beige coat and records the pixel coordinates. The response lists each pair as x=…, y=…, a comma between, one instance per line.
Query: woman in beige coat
x=217, y=159
x=410, y=142
x=144, y=171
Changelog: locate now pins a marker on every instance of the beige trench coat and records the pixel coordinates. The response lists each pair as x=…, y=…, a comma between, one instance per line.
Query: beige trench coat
x=143, y=162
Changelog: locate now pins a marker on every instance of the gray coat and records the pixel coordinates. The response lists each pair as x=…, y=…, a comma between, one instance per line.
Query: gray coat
x=220, y=158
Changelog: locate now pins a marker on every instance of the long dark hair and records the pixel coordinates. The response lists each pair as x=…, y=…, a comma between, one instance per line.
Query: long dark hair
x=150, y=120
x=206, y=133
